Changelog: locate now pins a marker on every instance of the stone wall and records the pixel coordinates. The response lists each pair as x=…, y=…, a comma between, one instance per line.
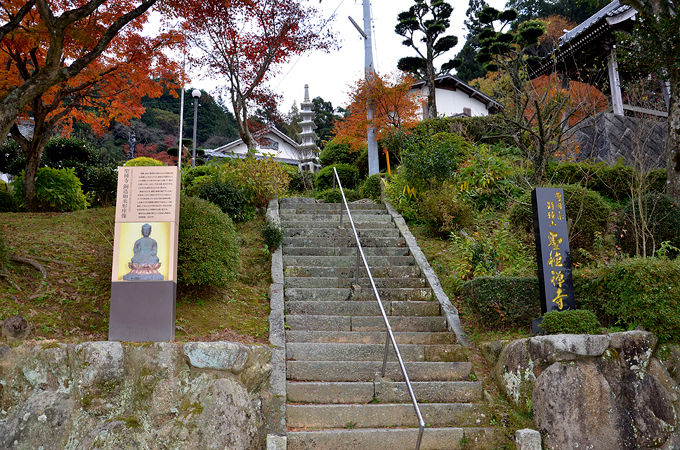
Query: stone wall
x=599, y=392
x=200, y=395
x=608, y=137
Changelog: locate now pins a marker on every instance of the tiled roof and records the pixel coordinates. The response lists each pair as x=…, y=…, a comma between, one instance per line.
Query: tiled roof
x=611, y=10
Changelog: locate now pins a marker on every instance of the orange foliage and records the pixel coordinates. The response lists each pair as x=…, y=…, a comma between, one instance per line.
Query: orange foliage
x=583, y=100
x=395, y=106
x=554, y=29
x=108, y=89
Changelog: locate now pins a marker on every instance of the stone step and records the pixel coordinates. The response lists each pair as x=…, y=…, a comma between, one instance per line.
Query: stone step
x=349, y=272
x=476, y=438
x=346, y=261
x=363, y=230
x=294, y=202
x=358, y=223
x=364, y=323
x=336, y=282
x=369, y=370
x=292, y=212
x=362, y=308
x=334, y=218
x=343, y=251
x=344, y=241
x=385, y=415
x=383, y=392
x=362, y=294
x=373, y=337
x=351, y=352
x=313, y=206
x=313, y=351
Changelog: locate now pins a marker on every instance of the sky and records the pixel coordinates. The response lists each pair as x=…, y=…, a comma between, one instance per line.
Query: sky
x=329, y=75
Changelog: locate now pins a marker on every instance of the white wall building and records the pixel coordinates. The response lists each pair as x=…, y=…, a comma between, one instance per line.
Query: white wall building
x=270, y=142
x=457, y=98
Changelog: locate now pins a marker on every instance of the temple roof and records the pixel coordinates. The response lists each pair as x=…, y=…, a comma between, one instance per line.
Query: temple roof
x=592, y=40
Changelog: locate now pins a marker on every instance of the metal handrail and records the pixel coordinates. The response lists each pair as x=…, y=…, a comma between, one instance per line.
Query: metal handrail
x=390, y=334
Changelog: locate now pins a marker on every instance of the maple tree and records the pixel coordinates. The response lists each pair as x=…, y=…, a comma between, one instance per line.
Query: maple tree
x=537, y=112
x=108, y=89
x=102, y=20
x=395, y=107
x=247, y=41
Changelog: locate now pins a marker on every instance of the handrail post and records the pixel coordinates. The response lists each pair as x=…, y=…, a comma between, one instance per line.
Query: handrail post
x=340, y=216
x=356, y=273
x=387, y=349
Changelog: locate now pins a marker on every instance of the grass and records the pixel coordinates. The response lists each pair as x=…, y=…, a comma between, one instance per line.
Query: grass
x=76, y=249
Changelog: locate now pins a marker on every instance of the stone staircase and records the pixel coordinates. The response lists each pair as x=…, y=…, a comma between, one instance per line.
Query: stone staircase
x=335, y=341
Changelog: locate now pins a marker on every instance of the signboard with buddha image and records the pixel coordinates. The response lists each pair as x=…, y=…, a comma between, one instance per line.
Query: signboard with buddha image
x=144, y=269
x=552, y=250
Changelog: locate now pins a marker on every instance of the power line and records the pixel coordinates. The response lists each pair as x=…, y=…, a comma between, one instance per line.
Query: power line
x=375, y=37
x=300, y=57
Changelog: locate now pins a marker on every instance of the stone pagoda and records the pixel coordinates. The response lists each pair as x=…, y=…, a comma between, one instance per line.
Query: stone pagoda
x=307, y=147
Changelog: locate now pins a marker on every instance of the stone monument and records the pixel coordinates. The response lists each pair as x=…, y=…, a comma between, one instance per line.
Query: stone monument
x=144, y=271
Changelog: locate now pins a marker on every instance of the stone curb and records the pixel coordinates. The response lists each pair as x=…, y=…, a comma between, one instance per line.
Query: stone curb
x=276, y=413
x=448, y=309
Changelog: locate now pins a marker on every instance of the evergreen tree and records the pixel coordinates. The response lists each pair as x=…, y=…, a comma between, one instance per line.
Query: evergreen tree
x=470, y=68
x=576, y=11
x=324, y=120
x=431, y=20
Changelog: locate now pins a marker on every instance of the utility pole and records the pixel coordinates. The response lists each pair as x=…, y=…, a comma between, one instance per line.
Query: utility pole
x=373, y=166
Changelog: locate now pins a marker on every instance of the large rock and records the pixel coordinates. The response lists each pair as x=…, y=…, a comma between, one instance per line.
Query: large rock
x=595, y=392
x=515, y=374
x=575, y=408
x=113, y=395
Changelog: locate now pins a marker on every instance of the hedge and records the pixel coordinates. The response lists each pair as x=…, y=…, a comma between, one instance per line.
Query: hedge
x=503, y=302
x=631, y=292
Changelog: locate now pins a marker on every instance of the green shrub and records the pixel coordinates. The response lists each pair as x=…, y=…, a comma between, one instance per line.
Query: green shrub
x=480, y=129
x=230, y=200
x=189, y=174
x=635, y=291
x=208, y=248
x=4, y=252
x=337, y=153
x=487, y=179
x=259, y=179
x=431, y=159
x=663, y=222
x=7, y=202
x=143, y=161
x=403, y=196
x=63, y=152
x=57, y=190
x=657, y=180
x=579, y=321
x=12, y=159
x=101, y=184
x=444, y=210
x=334, y=196
x=503, y=302
x=273, y=233
x=593, y=211
x=609, y=181
x=372, y=188
x=349, y=177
